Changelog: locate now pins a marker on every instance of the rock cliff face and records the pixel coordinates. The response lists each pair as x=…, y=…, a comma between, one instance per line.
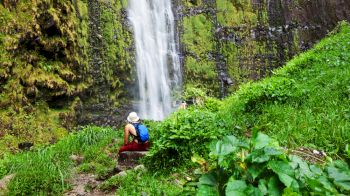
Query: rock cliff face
x=228, y=42
x=65, y=63
x=62, y=63
x=110, y=59
x=42, y=69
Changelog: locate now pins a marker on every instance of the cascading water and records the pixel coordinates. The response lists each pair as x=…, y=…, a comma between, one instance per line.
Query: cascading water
x=157, y=60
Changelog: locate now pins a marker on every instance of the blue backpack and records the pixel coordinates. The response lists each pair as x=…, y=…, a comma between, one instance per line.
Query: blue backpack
x=142, y=132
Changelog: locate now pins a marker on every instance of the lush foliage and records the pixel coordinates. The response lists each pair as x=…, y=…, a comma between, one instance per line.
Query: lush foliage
x=260, y=167
x=184, y=133
x=200, y=69
x=306, y=103
x=46, y=170
x=45, y=66
x=288, y=106
x=142, y=182
x=310, y=97
x=42, y=54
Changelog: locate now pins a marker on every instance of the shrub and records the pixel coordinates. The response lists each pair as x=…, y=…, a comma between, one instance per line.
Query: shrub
x=259, y=167
x=184, y=133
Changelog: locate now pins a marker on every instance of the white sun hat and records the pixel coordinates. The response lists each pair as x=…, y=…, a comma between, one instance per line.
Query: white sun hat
x=133, y=117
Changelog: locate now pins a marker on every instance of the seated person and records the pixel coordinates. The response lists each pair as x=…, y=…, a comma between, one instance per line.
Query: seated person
x=139, y=133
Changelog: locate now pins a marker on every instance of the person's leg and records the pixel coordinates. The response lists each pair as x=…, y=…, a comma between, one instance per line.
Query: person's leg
x=141, y=147
x=133, y=146
x=128, y=147
x=123, y=148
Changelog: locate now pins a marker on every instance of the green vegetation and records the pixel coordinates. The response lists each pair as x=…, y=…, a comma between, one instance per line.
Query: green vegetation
x=137, y=182
x=251, y=41
x=47, y=170
x=178, y=137
x=44, y=67
x=51, y=166
x=235, y=13
x=200, y=70
x=260, y=167
x=304, y=104
x=116, y=40
x=43, y=53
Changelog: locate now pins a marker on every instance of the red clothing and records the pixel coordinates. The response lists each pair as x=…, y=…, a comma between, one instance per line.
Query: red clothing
x=133, y=146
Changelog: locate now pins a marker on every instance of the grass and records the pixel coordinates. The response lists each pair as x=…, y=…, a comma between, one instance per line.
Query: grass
x=143, y=182
x=47, y=170
x=305, y=103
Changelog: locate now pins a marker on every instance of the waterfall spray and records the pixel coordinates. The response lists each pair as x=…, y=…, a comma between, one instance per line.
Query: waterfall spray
x=157, y=61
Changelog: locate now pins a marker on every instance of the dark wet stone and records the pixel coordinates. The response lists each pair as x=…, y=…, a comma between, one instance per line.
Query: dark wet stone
x=129, y=159
x=25, y=145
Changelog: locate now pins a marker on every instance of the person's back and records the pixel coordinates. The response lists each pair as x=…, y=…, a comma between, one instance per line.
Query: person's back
x=138, y=131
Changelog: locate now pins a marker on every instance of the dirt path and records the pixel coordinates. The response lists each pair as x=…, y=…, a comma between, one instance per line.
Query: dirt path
x=85, y=185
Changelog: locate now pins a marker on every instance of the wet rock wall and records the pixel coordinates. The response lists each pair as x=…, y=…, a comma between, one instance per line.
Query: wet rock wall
x=246, y=39
x=62, y=64
x=110, y=60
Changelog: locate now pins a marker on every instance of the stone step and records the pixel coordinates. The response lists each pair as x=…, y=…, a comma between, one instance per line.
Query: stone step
x=129, y=159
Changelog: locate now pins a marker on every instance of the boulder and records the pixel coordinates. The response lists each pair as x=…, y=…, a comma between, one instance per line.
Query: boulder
x=4, y=181
x=76, y=159
x=140, y=168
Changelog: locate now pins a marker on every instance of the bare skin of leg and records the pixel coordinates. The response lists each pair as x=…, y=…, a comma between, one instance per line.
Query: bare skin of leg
x=128, y=129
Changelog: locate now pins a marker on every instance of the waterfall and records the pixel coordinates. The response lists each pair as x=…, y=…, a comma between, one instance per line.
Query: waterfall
x=157, y=61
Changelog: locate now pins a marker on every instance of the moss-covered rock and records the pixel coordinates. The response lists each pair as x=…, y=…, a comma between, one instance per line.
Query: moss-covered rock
x=48, y=72
x=247, y=39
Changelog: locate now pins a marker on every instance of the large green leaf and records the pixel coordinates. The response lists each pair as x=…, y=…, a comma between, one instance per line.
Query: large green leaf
x=274, y=187
x=261, y=140
x=215, y=179
x=256, y=169
x=263, y=155
x=236, y=187
x=301, y=166
x=253, y=191
x=263, y=186
x=271, y=151
x=288, y=181
x=285, y=173
x=321, y=185
x=316, y=170
x=341, y=176
x=258, y=156
x=205, y=190
x=225, y=146
x=281, y=167
x=341, y=165
x=208, y=179
x=208, y=185
x=290, y=192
